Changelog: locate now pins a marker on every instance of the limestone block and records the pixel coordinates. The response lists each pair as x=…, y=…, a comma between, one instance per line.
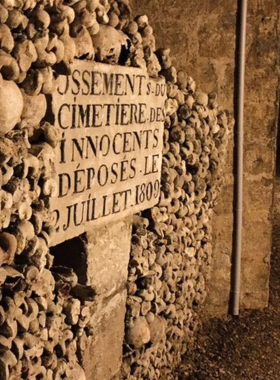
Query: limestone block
x=257, y=239
x=219, y=286
x=108, y=250
x=103, y=356
x=258, y=199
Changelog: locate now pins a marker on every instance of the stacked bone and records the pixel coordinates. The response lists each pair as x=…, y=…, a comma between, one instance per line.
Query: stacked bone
x=36, y=36
x=43, y=310
x=171, y=244
x=44, y=313
x=42, y=321
x=142, y=52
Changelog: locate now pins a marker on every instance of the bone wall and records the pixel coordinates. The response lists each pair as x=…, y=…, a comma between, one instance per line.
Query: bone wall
x=51, y=314
x=51, y=321
x=202, y=38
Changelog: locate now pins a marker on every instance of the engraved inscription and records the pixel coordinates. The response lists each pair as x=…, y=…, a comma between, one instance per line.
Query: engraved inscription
x=108, y=160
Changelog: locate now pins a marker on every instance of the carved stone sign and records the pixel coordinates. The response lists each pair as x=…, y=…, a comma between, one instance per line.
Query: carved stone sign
x=108, y=161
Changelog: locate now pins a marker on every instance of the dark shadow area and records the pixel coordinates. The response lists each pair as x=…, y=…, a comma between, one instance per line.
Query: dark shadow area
x=71, y=254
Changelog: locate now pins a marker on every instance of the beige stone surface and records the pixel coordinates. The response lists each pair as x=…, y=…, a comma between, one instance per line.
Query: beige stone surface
x=201, y=37
x=219, y=283
x=103, y=356
x=108, y=249
x=108, y=160
x=254, y=283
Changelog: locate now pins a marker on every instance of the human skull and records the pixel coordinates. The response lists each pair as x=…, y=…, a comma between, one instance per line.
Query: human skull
x=11, y=106
x=108, y=44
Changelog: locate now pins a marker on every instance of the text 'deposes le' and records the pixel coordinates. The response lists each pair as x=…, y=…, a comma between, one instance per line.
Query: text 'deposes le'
x=108, y=160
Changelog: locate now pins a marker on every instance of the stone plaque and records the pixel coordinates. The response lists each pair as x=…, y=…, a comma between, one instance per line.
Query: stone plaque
x=108, y=161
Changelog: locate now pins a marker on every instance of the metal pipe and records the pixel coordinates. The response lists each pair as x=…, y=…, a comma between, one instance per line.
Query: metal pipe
x=239, y=169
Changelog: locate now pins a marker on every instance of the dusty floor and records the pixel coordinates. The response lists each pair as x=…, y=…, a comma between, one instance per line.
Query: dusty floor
x=247, y=348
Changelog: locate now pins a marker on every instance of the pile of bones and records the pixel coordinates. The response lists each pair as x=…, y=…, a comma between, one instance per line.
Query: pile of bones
x=45, y=314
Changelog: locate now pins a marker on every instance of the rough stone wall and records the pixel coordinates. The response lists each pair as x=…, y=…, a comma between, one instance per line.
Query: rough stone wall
x=261, y=111
x=202, y=37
